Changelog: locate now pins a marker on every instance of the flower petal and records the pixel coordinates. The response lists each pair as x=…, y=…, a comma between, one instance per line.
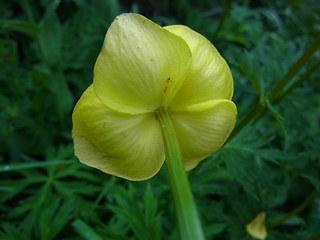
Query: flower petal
x=141, y=65
x=257, y=227
x=209, y=77
x=203, y=128
x=128, y=146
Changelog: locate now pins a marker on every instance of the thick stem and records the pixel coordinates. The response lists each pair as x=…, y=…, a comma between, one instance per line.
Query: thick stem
x=185, y=207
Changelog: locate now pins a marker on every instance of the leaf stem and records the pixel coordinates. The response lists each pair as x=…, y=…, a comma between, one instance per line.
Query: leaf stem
x=315, y=237
x=276, y=92
x=26, y=6
x=275, y=96
x=222, y=19
x=296, y=211
x=305, y=76
x=185, y=207
x=258, y=107
x=295, y=68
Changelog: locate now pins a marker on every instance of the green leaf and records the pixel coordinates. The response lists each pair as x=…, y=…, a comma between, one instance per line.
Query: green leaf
x=215, y=228
x=54, y=217
x=144, y=222
x=24, y=166
x=85, y=231
x=151, y=215
x=50, y=38
x=11, y=232
x=276, y=115
x=20, y=26
x=314, y=180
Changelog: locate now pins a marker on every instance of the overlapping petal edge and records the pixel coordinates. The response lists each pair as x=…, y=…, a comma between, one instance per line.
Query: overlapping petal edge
x=142, y=67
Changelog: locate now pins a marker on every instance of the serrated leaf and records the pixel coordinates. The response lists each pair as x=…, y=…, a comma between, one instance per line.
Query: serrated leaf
x=75, y=187
x=144, y=222
x=151, y=216
x=10, y=232
x=79, y=171
x=276, y=115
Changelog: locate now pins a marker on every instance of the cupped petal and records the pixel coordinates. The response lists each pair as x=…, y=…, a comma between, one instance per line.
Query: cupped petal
x=209, y=77
x=124, y=145
x=203, y=128
x=141, y=65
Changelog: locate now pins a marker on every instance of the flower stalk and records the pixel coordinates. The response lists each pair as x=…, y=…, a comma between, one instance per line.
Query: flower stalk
x=276, y=94
x=296, y=211
x=186, y=212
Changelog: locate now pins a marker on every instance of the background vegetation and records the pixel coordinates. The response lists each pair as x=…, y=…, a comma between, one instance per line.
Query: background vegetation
x=271, y=163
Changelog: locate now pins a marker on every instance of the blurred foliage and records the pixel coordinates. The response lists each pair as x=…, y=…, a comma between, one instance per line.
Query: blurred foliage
x=47, y=54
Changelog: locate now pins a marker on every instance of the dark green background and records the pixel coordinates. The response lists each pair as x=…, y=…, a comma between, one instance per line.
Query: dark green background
x=47, y=54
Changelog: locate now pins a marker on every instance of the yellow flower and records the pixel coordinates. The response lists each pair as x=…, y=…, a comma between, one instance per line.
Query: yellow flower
x=141, y=68
x=257, y=227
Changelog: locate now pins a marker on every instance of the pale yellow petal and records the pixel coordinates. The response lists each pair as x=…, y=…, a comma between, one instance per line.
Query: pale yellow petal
x=257, y=227
x=209, y=77
x=203, y=128
x=128, y=146
x=141, y=65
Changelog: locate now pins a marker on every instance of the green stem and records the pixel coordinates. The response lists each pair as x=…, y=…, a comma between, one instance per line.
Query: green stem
x=275, y=95
x=315, y=237
x=185, y=207
x=258, y=108
x=222, y=19
x=295, y=211
x=305, y=76
x=31, y=19
x=295, y=68
x=27, y=9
